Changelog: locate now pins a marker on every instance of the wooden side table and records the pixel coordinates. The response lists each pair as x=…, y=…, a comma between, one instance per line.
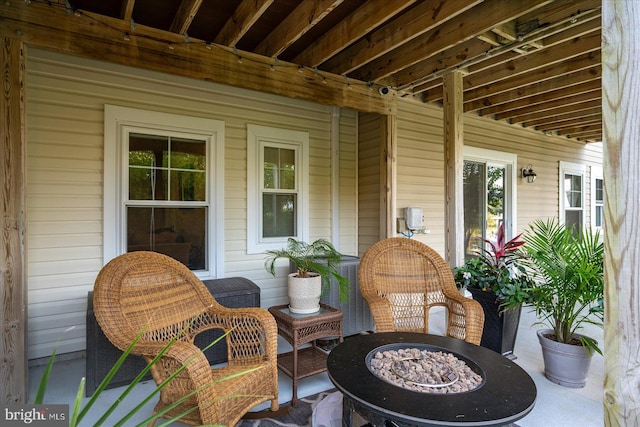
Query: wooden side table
x=299, y=329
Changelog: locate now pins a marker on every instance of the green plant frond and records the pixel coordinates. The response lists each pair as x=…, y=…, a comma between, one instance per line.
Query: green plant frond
x=319, y=257
x=567, y=268
x=44, y=380
x=73, y=418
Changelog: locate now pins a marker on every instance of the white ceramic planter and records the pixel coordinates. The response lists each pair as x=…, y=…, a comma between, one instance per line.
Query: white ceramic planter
x=304, y=293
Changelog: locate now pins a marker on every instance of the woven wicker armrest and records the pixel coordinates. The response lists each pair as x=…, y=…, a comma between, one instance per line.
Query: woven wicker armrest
x=381, y=312
x=252, y=332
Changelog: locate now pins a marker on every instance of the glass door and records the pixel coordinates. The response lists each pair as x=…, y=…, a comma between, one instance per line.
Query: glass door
x=484, y=201
x=488, y=199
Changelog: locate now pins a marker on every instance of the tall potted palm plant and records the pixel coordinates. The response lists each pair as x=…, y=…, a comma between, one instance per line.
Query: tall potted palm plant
x=567, y=267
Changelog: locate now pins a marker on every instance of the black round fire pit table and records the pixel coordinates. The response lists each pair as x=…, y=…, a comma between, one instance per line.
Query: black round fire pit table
x=506, y=393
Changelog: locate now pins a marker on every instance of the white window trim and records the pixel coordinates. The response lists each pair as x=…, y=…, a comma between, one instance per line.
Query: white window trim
x=573, y=169
x=116, y=119
x=596, y=173
x=257, y=136
x=501, y=158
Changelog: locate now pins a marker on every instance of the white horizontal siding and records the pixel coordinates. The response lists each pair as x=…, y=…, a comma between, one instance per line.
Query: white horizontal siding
x=65, y=107
x=420, y=163
x=348, y=182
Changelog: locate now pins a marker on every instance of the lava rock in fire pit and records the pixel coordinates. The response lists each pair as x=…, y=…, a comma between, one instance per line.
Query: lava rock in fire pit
x=425, y=371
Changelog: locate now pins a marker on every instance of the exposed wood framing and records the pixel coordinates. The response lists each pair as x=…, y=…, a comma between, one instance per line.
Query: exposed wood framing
x=394, y=33
x=242, y=19
x=305, y=16
x=445, y=36
x=350, y=29
x=13, y=288
x=186, y=12
x=454, y=162
x=51, y=28
x=620, y=83
x=389, y=141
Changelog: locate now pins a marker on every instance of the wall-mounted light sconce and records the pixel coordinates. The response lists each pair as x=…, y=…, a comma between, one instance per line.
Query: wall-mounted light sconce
x=529, y=174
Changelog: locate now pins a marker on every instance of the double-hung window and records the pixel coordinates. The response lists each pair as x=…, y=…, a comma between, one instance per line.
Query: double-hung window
x=165, y=188
x=277, y=192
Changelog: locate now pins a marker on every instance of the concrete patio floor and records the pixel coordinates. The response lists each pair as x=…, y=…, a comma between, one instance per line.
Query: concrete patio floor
x=555, y=406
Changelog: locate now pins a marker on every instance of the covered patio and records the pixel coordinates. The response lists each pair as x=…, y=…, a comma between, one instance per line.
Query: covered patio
x=390, y=97
x=555, y=405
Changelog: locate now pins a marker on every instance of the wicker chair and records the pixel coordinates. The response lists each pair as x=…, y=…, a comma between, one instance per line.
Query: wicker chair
x=152, y=292
x=401, y=279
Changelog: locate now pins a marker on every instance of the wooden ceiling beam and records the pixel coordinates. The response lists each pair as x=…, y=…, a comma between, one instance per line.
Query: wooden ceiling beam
x=445, y=60
x=359, y=23
x=559, y=10
x=513, y=115
x=592, y=137
x=542, y=98
x=543, y=58
x=570, y=30
x=559, y=118
x=578, y=63
x=184, y=16
x=241, y=20
x=49, y=27
x=126, y=10
x=556, y=83
x=304, y=17
x=582, y=130
x=568, y=124
x=476, y=61
x=420, y=19
x=465, y=26
x=597, y=103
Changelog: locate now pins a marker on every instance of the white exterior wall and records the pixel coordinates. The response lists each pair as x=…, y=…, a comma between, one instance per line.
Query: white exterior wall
x=65, y=103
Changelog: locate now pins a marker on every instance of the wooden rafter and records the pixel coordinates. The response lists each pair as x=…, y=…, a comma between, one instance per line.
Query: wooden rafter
x=474, y=21
x=185, y=14
x=542, y=98
x=422, y=18
x=305, y=16
x=241, y=20
x=351, y=29
x=536, y=88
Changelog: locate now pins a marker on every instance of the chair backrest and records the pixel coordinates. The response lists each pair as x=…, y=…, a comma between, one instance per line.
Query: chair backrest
x=410, y=276
x=148, y=291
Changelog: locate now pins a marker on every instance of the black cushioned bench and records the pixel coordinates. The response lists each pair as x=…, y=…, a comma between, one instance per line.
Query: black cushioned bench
x=232, y=292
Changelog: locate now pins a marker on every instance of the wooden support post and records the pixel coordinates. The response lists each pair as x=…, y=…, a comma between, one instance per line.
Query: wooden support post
x=13, y=295
x=454, y=162
x=390, y=141
x=620, y=106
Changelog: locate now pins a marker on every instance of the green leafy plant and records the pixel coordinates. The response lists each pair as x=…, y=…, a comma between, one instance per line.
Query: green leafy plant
x=318, y=257
x=567, y=267
x=498, y=269
x=78, y=411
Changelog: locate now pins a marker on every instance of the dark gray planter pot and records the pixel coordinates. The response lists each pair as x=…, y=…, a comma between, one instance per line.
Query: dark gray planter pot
x=500, y=328
x=564, y=364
